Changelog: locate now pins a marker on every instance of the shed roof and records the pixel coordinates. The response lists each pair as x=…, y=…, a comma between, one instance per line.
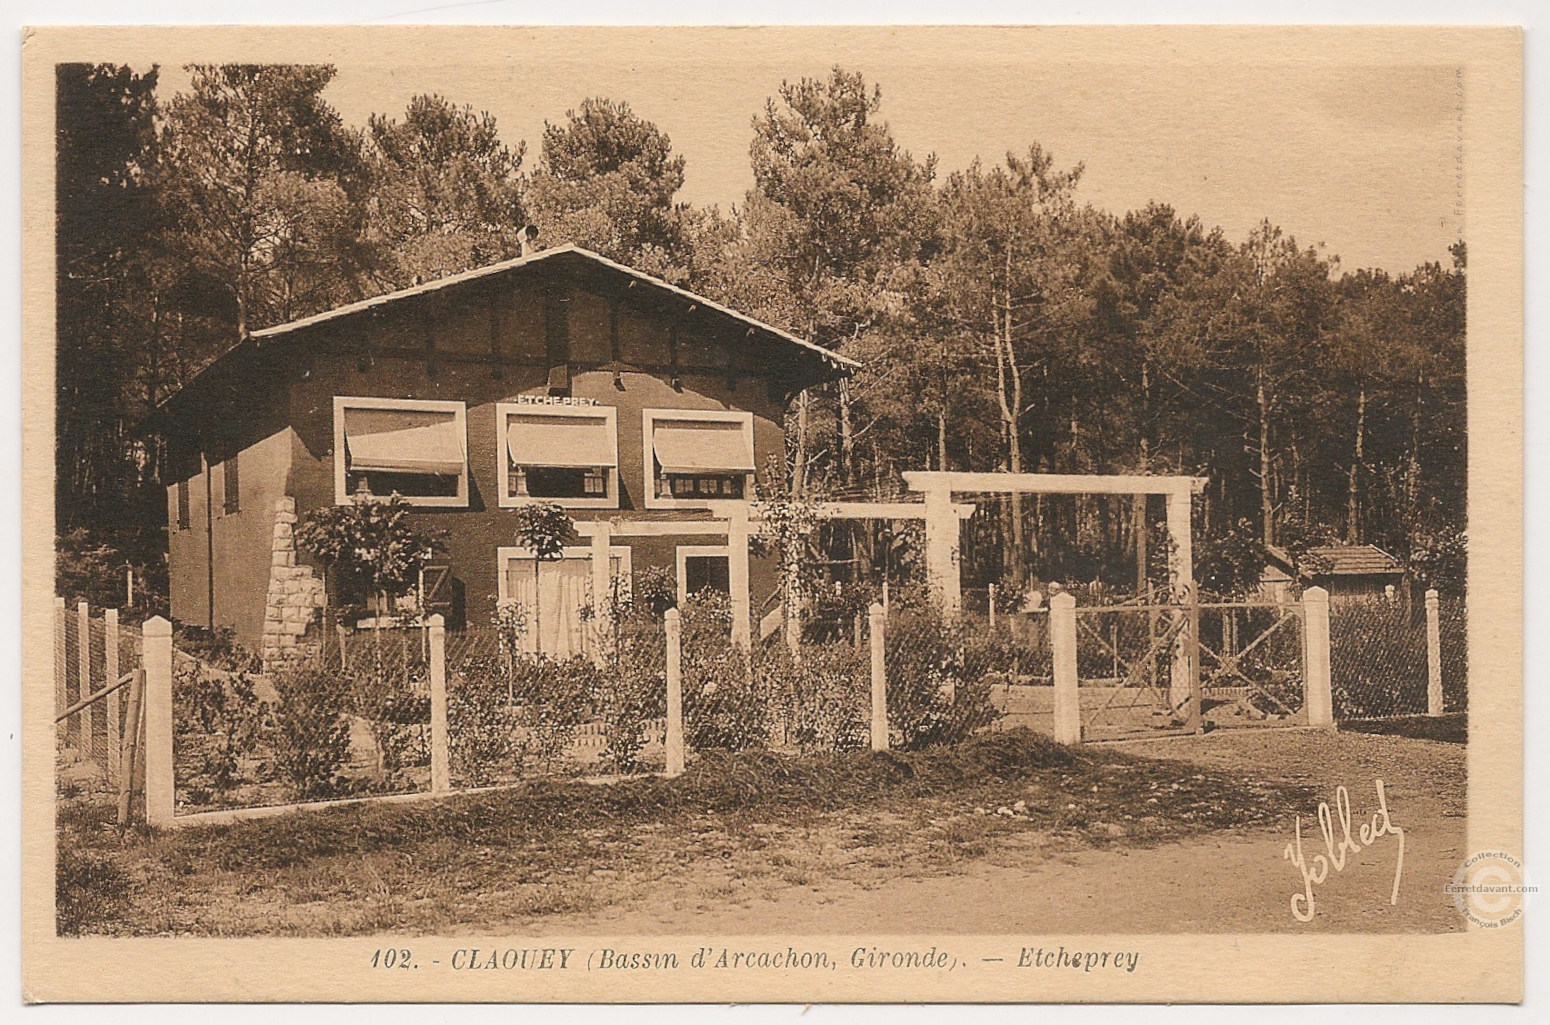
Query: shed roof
x=1342, y=560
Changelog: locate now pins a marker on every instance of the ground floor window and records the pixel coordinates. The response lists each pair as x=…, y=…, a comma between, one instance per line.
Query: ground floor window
x=703, y=568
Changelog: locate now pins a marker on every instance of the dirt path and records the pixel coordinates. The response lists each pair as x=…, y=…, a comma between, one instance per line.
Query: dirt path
x=1225, y=883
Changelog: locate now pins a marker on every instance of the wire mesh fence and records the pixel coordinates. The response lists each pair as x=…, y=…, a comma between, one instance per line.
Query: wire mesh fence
x=514, y=715
x=91, y=657
x=356, y=719
x=351, y=720
x=1453, y=653
x=1381, y=661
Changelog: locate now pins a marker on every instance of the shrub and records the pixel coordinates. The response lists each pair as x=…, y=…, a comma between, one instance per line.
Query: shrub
x=823, y=700
x=632, y=689
x=312, y=733
x=725, y=704
x=481, y=726
x=396, y=711
x=89, y=891
x=217, y=648
x=656, y=590
x=937, y=690
x=553, y=698
x=218, y=719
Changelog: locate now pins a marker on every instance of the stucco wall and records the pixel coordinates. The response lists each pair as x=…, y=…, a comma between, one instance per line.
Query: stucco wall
x=514, y=326
x=241, y=538
x=187, y=556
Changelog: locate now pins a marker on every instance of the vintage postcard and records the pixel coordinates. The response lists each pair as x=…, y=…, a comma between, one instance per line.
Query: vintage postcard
x=812, y=515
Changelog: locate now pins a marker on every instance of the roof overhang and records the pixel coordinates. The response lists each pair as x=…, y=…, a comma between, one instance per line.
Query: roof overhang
x=822, y=364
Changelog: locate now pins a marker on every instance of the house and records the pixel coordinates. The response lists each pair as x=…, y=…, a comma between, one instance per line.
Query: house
x=1345, y=571
x=645, y=410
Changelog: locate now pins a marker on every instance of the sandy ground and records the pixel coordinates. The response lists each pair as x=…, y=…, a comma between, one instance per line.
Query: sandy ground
x=1228, y=882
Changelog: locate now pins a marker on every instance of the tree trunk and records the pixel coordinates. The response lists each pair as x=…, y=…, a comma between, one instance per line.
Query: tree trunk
x=1266, y=505
x=799, y=460
x=1353, y=524
x=1011, y=414
x=941, y=440
x=847, y=463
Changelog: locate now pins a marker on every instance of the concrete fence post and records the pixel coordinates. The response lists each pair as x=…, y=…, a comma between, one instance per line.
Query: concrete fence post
x=83, y=656
x=991, y=606
x=674, y=741
x=1062, y=635
x=1317, y=698
x=1434, y=704
x=441, y=762
x=110, y=661
x=61, y=658
x=878, y=619
x=158, y=721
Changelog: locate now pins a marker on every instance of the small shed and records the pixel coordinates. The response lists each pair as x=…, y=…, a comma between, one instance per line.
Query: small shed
x=1345, y=571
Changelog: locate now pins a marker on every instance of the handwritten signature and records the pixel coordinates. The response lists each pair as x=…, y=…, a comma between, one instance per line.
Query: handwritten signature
x=1368, y=833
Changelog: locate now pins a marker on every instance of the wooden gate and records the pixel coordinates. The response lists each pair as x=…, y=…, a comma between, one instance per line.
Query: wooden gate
x=1187, y=667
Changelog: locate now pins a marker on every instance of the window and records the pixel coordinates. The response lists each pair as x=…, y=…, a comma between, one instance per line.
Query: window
x=697, y=456
x=567, y=454
x=703, y=568
x=417, y=448
x=231, y=487
x=182, y=512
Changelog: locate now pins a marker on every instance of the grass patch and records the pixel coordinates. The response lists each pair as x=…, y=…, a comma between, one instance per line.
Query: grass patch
x=1449, y=729
x=555, y=847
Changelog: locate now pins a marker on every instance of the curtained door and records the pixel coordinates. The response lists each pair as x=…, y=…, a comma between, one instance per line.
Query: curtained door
x=564, y=587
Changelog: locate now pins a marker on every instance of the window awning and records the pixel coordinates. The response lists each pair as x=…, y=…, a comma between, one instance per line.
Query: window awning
x=404, y=441
x=689, y=446
x=568, y=441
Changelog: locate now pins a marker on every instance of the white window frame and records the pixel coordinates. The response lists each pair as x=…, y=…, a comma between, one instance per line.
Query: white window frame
x=687, y=552
x=460, y=414
x=649, y=418
x=503, y=412
x=505, y=556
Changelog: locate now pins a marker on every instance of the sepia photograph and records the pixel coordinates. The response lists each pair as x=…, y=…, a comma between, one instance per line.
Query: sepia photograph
x=916, y=502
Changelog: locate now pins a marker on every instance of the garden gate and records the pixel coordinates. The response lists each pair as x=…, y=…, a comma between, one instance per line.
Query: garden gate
x=1149, y=668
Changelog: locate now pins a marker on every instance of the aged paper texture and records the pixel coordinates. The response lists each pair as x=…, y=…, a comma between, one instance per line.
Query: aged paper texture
x=866, y=514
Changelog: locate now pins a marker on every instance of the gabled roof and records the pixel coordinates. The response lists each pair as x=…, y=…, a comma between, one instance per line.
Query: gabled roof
x=453, y=280
x=835, y=364
x=1341, y=560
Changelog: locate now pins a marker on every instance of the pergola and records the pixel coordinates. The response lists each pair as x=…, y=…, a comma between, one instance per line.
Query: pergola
x=942, y=561
x=942, y=518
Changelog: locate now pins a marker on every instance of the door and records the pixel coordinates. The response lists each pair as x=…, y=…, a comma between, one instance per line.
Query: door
x=557, y=618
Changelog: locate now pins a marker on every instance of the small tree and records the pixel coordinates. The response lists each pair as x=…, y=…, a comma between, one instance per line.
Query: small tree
x=372, y=541
x=544, y=529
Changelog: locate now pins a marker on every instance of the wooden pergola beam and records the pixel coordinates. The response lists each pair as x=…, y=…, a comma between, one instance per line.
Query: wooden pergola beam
x=884, y=510
x=1054, y=483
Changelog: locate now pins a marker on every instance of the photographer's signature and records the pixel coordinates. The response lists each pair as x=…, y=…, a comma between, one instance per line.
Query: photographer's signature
x=1368, y=834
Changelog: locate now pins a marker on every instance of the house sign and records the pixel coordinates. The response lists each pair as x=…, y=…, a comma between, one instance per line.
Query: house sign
x=554, y=400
